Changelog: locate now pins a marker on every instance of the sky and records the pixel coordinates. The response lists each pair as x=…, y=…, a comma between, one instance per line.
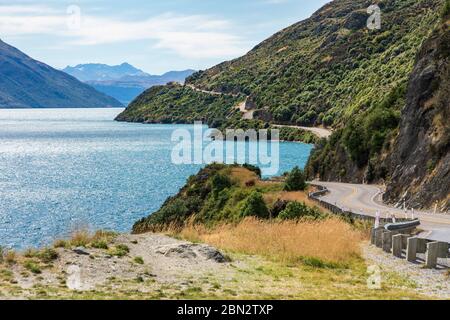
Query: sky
x=155, y=36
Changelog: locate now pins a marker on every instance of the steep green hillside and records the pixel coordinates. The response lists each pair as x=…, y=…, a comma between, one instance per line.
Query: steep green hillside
x=175, y=103
x=322, y=70
x=403, y=141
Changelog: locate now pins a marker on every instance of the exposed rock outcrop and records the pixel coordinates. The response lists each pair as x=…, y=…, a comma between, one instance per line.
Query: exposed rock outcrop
x=420, y=161
x=192, y=251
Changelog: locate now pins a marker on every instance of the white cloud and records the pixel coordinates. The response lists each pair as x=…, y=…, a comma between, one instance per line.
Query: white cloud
x=193, y=36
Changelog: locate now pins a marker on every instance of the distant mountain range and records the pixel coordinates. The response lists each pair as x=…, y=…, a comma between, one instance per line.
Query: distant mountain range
x=27, y=83
x=123, y=82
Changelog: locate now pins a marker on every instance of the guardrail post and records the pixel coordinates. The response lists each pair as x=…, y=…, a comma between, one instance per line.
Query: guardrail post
x=387, y=241
x=443, y=250
x=379, y=238
x=411, y=249
x=373, y=235
x=397, y=249
x=432, y=255
x=422, y=245
x=405, y=241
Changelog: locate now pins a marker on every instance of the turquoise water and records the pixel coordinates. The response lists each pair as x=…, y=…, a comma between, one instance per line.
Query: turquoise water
x=65, y=169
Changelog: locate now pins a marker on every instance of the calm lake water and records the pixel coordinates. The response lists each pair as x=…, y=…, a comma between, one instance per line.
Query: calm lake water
x=65, y=169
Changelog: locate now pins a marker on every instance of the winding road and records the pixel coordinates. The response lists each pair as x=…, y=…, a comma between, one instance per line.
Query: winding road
x=320, y=132
x=366, y=199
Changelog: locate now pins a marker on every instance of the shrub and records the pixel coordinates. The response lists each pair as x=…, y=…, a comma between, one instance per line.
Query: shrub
x=139, y=260
x=446, y=9
x=30, y=253
x=254, y=205
x=80, y=238
x=295, y=180
x=99, y=244
x=119, y=250
x=60, y=244
x=297, y=210
x=220, y=182
x=10, y=257
x=32, y=266
x=47, y=255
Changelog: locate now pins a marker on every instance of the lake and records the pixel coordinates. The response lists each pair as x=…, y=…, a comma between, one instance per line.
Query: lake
x=66, y=169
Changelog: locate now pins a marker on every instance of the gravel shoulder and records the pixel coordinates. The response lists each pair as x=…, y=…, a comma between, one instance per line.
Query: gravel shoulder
x=429, y=282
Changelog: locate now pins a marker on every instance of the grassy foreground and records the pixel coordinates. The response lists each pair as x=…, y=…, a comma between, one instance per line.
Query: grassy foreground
x=247, y=276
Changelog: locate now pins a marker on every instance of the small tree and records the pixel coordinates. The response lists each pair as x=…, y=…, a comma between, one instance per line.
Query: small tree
x=295, y=180
x=254, y=205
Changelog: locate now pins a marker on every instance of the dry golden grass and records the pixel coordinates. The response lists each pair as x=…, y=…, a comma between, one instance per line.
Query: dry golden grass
x=298, y=196
x=84, y=238
x=332, y=240
x=243, y=176
x=10, y=257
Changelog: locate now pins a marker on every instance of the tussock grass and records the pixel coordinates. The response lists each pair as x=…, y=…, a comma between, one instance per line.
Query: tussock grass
x=10, y=257
x=83, y=238
x=324, y=243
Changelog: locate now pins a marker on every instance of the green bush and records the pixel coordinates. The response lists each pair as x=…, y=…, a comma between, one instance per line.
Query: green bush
x=119, y=250
x=446, y=9
x=33, y=267
x=296, y=210
x=99, y=244
x=295, y=180
x=220, y=182
x=254, y=205
x=48, y=255
x=139, y=260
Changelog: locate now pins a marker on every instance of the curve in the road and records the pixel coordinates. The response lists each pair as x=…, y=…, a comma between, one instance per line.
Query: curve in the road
x=366, y=199
x=320, y=132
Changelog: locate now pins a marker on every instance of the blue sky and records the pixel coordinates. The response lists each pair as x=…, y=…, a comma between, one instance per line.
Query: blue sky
x=156, y=36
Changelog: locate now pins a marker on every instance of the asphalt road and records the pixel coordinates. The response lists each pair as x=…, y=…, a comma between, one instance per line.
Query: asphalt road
x=366, y=199
x=320, y=132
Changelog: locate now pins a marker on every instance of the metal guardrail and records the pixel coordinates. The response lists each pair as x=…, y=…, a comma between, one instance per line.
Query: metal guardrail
x=315, y=196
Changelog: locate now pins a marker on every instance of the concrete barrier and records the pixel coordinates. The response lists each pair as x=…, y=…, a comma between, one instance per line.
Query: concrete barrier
x=373, y=235
x=405, y=238
x=443, y=250
x=431, y=255
x=411, y=249
x=387, y=241
x=397, y=249
x=379, y=238
x=422, y=245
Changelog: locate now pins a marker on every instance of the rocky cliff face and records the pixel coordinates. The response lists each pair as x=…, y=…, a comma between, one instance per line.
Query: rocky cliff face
x=420, y=161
